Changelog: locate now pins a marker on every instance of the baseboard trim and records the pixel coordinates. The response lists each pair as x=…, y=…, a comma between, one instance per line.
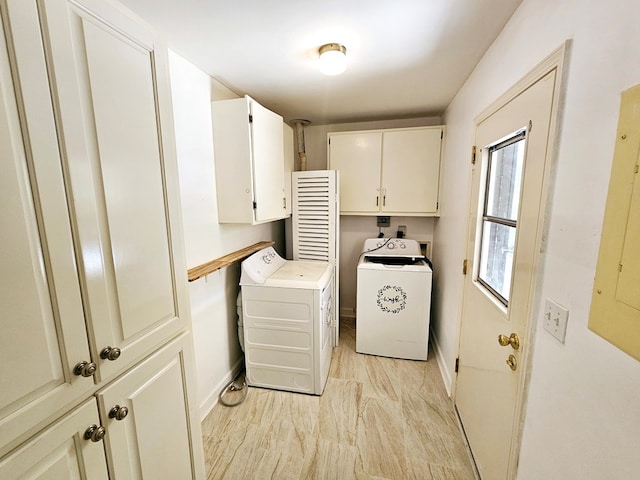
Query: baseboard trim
x=212, y=399
x=442, y=364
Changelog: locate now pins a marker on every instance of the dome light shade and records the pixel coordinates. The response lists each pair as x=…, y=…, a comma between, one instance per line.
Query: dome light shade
x=333, y=58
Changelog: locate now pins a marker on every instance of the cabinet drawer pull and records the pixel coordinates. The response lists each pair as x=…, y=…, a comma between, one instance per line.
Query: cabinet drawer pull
x=95, y=433
x=85, y=369
x=377, y=200
x=118, y=412
x=110, y=353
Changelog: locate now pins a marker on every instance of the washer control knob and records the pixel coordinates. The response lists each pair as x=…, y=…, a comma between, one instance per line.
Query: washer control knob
x=391, y=245
x=402, y=245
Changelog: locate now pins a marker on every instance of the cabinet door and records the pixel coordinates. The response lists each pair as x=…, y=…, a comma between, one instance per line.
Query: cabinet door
x=61, y=451
x=357, y=156
x=289, y=161
x=116, y=130
x=160, y=435
x=43, y=331
x=268, y=163
x=411, y=170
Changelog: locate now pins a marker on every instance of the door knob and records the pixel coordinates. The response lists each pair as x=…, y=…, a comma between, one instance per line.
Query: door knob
x=95, y=433
x=512, y=340
x=512, y=362
x=118, y=412
x=110, y=353
x=85, y=369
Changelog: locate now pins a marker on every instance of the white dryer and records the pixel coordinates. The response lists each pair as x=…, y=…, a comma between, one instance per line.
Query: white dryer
x=287, y=322
x=393, y=299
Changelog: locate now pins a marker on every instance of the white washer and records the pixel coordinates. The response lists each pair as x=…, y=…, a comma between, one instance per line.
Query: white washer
x=393, y=299
x=287, y=322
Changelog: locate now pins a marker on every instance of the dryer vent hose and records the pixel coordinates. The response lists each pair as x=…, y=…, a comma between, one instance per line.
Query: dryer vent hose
x=299, y=124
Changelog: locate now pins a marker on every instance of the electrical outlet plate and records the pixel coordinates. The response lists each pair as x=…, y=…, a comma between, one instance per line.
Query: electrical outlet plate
x=555, y=319
x=384, y=221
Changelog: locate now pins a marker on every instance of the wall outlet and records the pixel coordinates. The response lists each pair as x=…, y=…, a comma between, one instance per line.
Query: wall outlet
x=384, y=221
x=555, y=319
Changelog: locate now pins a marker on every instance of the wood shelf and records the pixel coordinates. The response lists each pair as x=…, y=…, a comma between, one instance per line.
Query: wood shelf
x=206, y=268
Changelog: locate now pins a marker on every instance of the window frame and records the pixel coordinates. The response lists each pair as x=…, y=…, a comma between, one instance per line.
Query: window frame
x=484, y=218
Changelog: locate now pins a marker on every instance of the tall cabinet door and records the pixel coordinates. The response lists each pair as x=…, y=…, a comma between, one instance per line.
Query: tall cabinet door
x=153, y=428
x=113, y=101
x=43, y=334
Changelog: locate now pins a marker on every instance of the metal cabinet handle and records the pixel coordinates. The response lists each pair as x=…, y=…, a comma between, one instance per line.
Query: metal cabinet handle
x=384, y=200
x=118, y=412
x=110, y=353
x=512, y=362
x=95, y=433
x=85, y=369
x=377, y=200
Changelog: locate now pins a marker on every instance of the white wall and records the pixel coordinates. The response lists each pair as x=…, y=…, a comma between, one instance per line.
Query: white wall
x=213, y=299
x=355, y=229
x=583, y=413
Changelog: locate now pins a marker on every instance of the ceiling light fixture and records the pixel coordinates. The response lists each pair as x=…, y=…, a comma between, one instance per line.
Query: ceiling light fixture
x=333, y=58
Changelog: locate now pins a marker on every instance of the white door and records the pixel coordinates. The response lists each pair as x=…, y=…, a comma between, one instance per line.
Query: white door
x=43, y=332
x=111, y=93
x=504, y=239
x=152, y=428
x=267, y=147
x=410, y=170
x=61, y=451
x=358, y=157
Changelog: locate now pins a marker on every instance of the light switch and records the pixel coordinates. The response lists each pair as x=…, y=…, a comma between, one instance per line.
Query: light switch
x=555, y=319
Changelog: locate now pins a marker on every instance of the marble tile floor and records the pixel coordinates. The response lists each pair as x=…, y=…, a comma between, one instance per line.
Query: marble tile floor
x=378, y=418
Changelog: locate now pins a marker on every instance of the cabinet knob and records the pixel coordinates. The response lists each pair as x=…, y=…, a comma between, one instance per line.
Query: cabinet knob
x=118, y=412
x=95, y=433
x=85, y=369
x=110, y=353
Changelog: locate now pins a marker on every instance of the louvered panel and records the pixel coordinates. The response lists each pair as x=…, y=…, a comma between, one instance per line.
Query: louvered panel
x=315, y=221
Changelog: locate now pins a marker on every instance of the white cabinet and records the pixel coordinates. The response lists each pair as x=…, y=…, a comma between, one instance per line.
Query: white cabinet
x=289, y=162
x=249, y=160
x=388, y=172
x=94, y=277
x=150, y=417
x=61, y=451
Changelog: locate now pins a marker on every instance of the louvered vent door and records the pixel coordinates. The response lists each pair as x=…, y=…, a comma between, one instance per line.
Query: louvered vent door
x=316, y=223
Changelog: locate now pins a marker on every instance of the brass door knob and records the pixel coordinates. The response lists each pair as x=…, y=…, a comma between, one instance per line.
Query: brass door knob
x=110, y=353
x=512, y=362
x=118, y=412
x=95, y=433
x=512, y=340
x=85, y=369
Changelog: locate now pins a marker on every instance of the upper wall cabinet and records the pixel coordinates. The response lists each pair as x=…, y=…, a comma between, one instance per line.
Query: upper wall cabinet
x=248, y=143
x=389, y=172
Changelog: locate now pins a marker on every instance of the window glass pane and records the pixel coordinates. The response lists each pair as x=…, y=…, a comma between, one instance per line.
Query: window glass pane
x=496, y=257
x=505, y=178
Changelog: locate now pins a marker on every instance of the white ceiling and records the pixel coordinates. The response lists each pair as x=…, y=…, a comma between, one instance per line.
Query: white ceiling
x=406, y=58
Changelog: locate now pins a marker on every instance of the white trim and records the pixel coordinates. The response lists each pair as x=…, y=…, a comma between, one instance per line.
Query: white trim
x=212, y=399
x=445, y=373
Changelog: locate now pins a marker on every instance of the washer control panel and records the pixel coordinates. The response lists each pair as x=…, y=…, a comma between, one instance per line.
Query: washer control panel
x=392, y=246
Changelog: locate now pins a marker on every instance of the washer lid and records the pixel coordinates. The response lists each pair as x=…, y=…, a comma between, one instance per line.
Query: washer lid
x=260, y=266
x=301, y=274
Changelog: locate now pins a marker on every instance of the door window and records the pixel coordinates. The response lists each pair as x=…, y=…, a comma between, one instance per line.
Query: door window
x=500, y=215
